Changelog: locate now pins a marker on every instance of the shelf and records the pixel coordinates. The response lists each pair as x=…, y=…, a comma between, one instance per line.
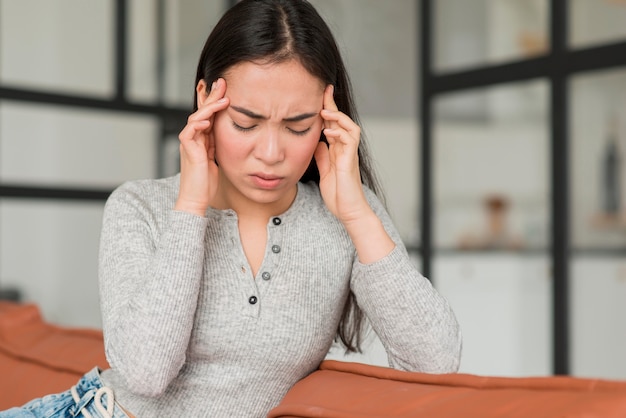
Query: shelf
x=503, y=251
x=610, y=252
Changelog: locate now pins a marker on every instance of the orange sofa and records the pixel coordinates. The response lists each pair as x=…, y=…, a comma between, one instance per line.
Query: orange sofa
x=352, y=390
x=37, y=358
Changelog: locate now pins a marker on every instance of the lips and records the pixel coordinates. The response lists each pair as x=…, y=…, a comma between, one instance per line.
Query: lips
x=266, y=181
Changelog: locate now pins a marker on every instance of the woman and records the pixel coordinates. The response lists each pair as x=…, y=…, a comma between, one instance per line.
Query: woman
x=223, y=286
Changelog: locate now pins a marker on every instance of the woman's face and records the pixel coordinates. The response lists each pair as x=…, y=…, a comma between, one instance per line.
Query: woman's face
x=265, y=139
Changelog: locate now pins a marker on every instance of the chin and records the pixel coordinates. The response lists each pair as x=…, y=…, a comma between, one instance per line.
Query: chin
x=270, y=196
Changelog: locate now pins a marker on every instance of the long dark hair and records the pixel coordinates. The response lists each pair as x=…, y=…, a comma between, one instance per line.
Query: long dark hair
x=274, y=31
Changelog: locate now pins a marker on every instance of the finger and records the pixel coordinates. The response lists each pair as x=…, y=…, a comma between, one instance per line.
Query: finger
x=194, y=130
x=209, y=109
x=342, y=137
x=322, y=158
x=329, y=99
x=214, y=102
x=211, y=147
x=342, y=121
x=329, y=104
x=218, y=89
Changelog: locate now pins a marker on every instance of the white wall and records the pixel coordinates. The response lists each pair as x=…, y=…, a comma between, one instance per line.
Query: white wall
x=48, y=248
x=53, y=46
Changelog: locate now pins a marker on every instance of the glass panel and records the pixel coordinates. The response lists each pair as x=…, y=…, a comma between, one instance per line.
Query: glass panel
x=188, y=24
x=599, y=21
x=395, y=148
x=477, y=32
x=491, y=179
x=597, y=315
x=502, y=302
x=142, y=51
x=379, y=42
x=598, y=135
x=50, y=145
x=64, y=45
x=598, y=222
x=171, y=156
x=49, y=252
x=491, y=168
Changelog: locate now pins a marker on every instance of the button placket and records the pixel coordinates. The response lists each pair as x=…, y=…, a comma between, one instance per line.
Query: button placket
x=275, y=231
x=252, y=296
x=247, y=285
x=277, y=222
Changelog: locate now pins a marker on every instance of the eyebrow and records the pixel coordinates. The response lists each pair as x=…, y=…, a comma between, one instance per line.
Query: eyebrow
x=253, y=115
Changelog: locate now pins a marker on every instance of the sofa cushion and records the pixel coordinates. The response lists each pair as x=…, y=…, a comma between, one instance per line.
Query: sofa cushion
x=37, y=358
x=351, y=390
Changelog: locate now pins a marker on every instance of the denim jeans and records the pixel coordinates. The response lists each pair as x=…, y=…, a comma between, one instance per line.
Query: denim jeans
x=88, y=399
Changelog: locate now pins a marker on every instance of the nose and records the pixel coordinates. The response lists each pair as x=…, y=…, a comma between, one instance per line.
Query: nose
x=268, y=147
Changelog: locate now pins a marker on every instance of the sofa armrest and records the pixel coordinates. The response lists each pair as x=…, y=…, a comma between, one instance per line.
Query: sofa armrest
x=352, y=390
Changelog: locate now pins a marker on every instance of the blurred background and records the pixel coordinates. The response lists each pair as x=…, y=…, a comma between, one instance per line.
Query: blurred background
x=498, y=128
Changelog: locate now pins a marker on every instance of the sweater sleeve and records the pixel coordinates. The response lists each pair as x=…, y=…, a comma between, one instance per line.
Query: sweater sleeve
x=149, y=276
x=413, y=321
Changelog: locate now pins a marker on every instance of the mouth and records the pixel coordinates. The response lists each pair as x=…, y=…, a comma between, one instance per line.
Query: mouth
x=266, y=181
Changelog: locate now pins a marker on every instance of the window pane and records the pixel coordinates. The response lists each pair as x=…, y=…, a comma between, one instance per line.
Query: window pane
x=477, y=32
x=395, y=148
x=188, y=24
x=63, y=45
x=48, y=145
x=594, y=22
x=378, y=40
x=142, y=51
x=491, y=209
x=598, y=312
x=598, y=135
x=49, y=252
x=502, y=303
x=491, y=168
x=598, y=222
x=171, y=156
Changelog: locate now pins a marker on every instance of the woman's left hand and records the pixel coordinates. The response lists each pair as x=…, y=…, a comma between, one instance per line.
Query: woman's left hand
x=340, y=183
x=338, y=164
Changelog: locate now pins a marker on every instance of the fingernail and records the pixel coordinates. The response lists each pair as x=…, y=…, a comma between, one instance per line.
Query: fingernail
x=222, y=100
x=213, y=85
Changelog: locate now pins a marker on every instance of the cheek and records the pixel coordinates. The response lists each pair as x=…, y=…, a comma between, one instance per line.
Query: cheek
x=226, y=150
x=306, y=147
x=220, y=126
x=313, y=138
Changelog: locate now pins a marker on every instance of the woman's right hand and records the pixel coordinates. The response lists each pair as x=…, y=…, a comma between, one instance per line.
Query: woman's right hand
x=198, y=170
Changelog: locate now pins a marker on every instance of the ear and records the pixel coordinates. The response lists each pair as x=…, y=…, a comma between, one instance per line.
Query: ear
x=202, y=93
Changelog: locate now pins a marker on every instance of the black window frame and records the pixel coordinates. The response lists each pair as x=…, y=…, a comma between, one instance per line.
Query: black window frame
x=557, y=66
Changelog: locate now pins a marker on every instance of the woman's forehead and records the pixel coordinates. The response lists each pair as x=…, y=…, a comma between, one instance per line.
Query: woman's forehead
x=266, y=71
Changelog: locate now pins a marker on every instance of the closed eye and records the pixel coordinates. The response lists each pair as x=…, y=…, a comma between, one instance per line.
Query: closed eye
x=299, y=133
x=243, y=128
x=250, y=128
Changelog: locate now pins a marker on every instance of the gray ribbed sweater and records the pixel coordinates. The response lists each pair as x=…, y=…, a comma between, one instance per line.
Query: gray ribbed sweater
x=189, y=332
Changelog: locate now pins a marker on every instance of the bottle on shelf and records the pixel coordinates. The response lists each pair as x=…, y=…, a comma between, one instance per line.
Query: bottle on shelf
x=611, y=172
